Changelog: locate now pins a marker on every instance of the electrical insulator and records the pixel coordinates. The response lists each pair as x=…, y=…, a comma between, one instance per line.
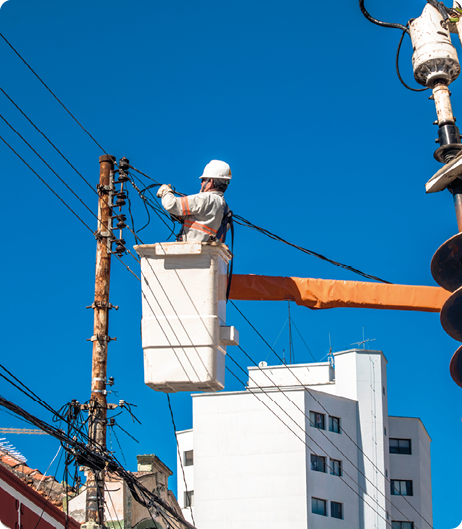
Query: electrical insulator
x=120, y=248
x=436, y=66
x=434, y=58
x=123, y=168
x=120, y=199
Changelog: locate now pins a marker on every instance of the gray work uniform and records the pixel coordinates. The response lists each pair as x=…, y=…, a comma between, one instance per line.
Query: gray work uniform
x=202, y=213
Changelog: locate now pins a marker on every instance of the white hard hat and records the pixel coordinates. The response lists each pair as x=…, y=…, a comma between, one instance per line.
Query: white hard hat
x=217, y=169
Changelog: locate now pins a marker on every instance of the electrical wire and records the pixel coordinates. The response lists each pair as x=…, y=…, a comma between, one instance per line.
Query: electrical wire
x=308, y=446
x=397, y=68
x=320, y=431
x=52, y=461
x=68, y=207
x=49, y=141
x=378, y=22
x=49, y=167
x=306, y=388
x=51, y=92
x=246, y=223
x=47, y=497
x=64, y=157
x=179, y=453
x=299, y=333
x=43, y=181
x=96, y=460
x=304, y=432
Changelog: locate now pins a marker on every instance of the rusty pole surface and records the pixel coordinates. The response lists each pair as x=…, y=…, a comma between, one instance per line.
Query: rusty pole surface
x=98, y=404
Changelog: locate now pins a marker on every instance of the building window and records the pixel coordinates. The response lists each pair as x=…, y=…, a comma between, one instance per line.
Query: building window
x=400, y=446
x=319, y=506
x=336, y=510
x=317, y=420
x=336, y=467
x=385, y=430
x=401, y=487
x=189, y=498
x=188, y=458
x=334, y=424
x=318, y=463
x=402, y=525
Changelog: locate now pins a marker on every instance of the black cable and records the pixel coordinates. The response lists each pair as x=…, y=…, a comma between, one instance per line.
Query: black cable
x=312, y=424
x=379, y=22
x=299, y=333
x=246, y=223
x=320, y=404
x=97, y=460
x=179, y=453
x=49, y=167
x=306, y=444
x=43, y=181
x=49, y=491
x=243, y=222
x=51, y=92
x=397, y=68
x=68, y=207
x=48, y=140
x=131, y=216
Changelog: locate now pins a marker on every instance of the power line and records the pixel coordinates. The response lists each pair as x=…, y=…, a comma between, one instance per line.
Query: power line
x=299, y=333
x=246, y=223
x=323, y=407
x=98, y=460
x=68, y=207
x=306, y=444
x=179, y=454
x=289, y=428
x=51, y=92
x=49, y=167
x=43, y=181
x=320, y=430
x=48, y=140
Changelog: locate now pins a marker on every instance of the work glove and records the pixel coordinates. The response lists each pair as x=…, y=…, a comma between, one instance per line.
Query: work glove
x=164, y=189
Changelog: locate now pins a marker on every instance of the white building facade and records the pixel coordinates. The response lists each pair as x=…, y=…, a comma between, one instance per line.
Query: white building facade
x=306, y=446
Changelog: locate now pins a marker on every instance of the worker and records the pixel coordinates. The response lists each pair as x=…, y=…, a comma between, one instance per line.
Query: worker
x=205, y=215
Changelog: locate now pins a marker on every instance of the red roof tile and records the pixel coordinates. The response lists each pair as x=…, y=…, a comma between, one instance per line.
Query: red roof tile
x=8, y=460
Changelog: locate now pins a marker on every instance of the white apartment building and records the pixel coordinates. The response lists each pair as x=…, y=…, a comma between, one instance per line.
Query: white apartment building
x=306, y=446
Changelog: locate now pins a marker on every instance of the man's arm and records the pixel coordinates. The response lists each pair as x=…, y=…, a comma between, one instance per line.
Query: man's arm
x=183, y=206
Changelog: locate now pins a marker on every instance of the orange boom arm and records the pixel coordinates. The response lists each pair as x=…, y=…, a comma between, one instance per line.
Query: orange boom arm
x=329, y=293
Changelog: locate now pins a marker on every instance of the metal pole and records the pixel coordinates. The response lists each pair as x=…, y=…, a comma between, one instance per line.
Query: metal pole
x=456, y=190
x=98, y=404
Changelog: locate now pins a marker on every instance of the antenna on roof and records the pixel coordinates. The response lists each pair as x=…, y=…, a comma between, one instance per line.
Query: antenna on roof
x=9, y=450
x=330, y=356
x=364, y=342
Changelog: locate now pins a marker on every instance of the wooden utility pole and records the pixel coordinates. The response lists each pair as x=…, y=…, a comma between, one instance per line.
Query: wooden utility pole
x=98, y=404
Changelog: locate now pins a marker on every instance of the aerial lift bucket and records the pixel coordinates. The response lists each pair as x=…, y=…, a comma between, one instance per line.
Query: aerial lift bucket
x=183, y=327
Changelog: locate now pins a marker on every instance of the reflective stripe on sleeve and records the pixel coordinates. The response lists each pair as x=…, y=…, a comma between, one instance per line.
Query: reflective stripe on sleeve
x=200, y=227
x=185, y=206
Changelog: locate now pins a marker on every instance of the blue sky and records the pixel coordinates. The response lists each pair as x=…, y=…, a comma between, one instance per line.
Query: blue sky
x=327, y=150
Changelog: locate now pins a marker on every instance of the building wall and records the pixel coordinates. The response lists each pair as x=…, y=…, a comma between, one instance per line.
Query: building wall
x=361, y=375
x=185, y=441
x=247, y=464
x=415, y=467
x=251, y=470
x=22, y=506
